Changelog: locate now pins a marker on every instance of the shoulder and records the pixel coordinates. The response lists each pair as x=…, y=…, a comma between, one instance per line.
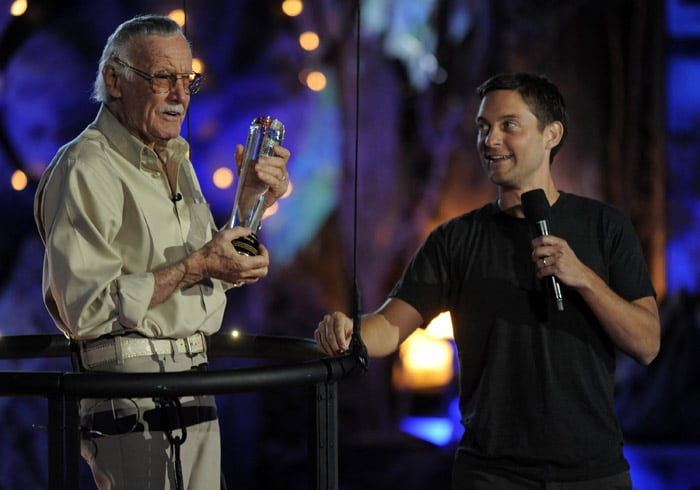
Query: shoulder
x=575, y=205
x=458, y=232
x=475, y=218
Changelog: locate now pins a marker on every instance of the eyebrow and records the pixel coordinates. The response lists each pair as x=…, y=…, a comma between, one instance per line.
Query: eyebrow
x=499, y=118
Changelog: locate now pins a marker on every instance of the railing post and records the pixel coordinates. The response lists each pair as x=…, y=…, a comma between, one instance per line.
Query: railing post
x=55, y=443
x=323, y=443
x=72, y=438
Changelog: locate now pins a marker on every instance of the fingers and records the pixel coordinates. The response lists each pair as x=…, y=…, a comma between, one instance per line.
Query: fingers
x=229, y=234
x=331, y=335
x=273, y=170
x=545, y=251
x=239, y=157
x=222, y=261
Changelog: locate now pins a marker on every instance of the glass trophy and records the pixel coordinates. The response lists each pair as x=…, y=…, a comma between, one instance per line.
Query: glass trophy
x=264, y=134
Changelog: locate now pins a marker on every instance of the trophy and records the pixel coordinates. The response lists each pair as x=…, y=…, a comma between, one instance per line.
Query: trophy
x=263, y=135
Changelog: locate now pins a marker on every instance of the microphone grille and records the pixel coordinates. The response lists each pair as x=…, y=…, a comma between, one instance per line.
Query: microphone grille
x=535, y=205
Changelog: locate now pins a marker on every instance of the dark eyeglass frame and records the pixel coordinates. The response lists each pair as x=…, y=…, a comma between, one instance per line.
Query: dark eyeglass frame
x=194, y=78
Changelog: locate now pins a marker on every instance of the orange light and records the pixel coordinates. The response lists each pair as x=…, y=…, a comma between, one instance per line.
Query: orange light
x=292, y=8
x=18, y=7
x=197, y=65
x=222, y=177
x=309, y=40
x=441, y=326
x=19, y=180
x=316, y=81
x=426, y=357
x=178, y=15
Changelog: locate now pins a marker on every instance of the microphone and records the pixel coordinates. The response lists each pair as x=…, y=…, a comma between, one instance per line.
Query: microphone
x=176, y=197
x=537, y=212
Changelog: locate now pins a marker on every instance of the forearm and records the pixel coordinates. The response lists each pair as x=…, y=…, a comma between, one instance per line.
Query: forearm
x=632, y=326
x=389, y=326
x=380, y=337
x=182, y=274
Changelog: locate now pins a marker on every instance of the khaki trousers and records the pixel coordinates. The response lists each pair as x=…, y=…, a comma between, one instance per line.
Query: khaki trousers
x=127, y=441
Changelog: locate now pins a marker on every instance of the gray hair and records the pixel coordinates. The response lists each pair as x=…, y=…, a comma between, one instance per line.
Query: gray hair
x=144, y=25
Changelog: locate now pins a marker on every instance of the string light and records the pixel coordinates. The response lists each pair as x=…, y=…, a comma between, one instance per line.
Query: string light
x=18, y=7
x=178, y=15
x=197, y=65
x=19, y=180
x=309, y=40
x=292, y=8
x=316, y=81
x=222, y=178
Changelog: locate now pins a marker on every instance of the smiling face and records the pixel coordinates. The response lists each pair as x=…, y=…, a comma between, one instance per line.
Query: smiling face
x=514, y=150
x=152, y=118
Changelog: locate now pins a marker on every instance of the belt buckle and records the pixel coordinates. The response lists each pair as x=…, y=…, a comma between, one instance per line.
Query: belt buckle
x=189, y=347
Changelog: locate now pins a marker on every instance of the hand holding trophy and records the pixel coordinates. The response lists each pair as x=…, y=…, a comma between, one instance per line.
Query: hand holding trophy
x=263, y=135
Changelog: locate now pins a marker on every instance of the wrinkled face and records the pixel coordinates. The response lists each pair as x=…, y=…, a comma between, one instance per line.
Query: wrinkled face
x=154, y=118
x=513, y=150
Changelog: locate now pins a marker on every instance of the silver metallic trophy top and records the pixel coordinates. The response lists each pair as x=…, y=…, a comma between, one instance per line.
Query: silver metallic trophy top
x=264, y=134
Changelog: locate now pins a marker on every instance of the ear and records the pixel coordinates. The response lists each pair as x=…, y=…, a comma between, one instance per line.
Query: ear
x=553, y=134
x=112, y=81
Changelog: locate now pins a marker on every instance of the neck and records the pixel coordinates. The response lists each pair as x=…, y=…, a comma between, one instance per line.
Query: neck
x=509, y=200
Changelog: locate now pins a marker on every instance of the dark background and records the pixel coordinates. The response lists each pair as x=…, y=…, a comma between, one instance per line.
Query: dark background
x=629, y=70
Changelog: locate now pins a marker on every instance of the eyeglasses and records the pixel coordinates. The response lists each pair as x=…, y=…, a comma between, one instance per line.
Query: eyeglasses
x=162, y=83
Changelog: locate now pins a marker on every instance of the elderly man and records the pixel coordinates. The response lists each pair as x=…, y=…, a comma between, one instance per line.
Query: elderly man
x=135, y=271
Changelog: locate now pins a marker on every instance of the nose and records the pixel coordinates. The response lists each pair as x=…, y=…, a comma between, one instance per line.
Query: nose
x=492, y=137
x=179, y=92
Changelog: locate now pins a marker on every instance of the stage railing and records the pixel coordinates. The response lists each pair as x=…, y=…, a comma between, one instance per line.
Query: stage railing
x=63, y=390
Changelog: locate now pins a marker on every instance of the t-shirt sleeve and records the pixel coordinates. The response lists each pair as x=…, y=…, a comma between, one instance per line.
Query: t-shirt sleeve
x=426, y=278
x=629, y=273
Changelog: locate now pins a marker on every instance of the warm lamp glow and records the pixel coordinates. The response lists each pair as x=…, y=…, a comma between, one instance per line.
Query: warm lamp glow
x=178, y=15
x=426, y=363
x=441, y=326
x=18, y=7
x=309, y=40
x=292, y=8
x=18, y=180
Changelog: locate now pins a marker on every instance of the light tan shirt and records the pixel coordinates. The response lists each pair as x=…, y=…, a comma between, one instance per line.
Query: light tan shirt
x=105, y=212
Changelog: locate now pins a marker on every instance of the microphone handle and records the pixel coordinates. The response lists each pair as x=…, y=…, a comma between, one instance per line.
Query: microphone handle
x=543, y=229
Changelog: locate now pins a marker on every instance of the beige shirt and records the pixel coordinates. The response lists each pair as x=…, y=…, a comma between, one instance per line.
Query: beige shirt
x=105, y=212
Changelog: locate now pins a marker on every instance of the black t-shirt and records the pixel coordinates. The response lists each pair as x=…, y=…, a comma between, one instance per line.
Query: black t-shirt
x=536, y=384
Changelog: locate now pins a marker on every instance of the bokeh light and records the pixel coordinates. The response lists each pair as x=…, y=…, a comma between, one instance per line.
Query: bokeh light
x=316, y=81
x=292, y=8
x=309, y=40
x=18, y=7
x=19, y=180
x=222, y=177
x=178, y=15
x=197, y=65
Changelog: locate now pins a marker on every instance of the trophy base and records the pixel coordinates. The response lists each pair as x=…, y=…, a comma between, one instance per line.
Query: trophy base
x=247, y=245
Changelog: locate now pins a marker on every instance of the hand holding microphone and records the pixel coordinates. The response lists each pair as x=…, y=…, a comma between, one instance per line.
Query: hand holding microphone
x=537, y=212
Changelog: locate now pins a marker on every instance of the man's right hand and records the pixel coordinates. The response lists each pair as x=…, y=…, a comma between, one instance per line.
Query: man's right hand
x=333, y=333
x=220, y=260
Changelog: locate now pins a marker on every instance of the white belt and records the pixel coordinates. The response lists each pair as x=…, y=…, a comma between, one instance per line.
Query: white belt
x=117, y=349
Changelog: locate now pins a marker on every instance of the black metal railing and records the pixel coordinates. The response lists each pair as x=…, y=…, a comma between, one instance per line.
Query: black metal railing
x=304, y=365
